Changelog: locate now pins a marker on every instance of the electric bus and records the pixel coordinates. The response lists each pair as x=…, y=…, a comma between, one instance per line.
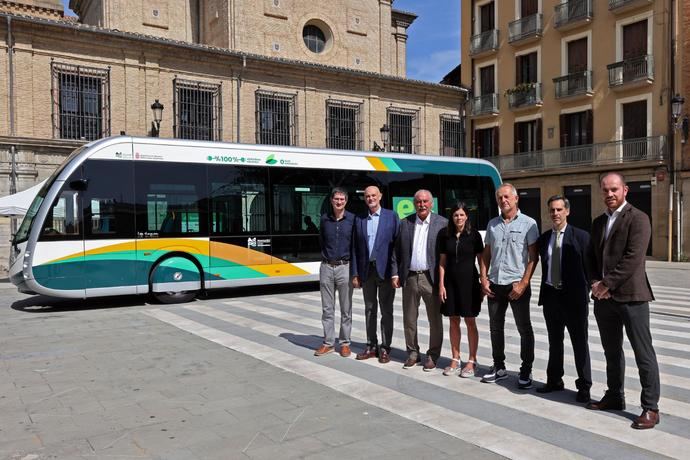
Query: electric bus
x=172, y=218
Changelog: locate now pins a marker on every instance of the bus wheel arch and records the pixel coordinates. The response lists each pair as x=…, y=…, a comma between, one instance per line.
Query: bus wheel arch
x=176, y=277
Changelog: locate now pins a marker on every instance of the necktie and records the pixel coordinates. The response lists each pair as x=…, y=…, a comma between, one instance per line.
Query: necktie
x=556, y=262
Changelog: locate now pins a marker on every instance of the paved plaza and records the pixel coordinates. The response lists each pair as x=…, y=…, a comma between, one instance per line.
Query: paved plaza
x=233, y=376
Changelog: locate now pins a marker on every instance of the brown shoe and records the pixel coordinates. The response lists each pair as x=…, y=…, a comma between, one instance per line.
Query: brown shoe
x=648, y=419
x=369, y=352
x=384, y=357
x=345, y=351
x=608, y=402
x=323, y=350
x=429, y=364
x=412, y=361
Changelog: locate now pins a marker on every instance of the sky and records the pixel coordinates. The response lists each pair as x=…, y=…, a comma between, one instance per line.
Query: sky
x=433, y=43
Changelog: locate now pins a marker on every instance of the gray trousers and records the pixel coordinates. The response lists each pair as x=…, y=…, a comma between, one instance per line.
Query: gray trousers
x=336, y=279
x=416, y=288
x=378, y=292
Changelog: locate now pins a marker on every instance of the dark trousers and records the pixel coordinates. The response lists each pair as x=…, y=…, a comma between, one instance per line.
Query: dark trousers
x=611, y=317
x=498, y=305
x=378, y=292
x=560, y=313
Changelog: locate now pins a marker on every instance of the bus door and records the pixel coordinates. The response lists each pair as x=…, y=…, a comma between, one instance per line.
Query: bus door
x=299, y=197
x=59, y=254
x=109, y=233
x=240, y=245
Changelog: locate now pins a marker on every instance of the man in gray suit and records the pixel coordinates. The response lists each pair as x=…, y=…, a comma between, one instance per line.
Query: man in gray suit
x=414, y=266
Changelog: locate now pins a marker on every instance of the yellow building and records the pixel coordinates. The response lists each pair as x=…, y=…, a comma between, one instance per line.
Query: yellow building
x=564, y=90
x=287, y=72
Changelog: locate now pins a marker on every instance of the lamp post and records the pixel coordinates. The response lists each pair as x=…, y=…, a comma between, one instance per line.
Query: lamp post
x=385, y=132
x=677, y=124
x=157, y=109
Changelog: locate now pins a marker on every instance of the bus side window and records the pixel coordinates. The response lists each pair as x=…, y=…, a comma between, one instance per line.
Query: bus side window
x=63, y=220
x=238, y=200
x=298, y=196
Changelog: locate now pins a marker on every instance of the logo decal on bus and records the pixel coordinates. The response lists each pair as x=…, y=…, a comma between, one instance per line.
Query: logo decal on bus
x=271, y=160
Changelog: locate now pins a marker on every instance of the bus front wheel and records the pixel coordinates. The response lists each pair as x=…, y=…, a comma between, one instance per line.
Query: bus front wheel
x=175, y=279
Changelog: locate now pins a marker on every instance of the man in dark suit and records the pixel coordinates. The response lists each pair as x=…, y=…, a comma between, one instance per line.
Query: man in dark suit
x=373, y=238
x=621, y=292
x=415, y=264
x=564, y=294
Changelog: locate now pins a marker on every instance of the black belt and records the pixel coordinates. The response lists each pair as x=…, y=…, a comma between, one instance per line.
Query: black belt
x=551, y=286
x=335, y=263
x=419, y=272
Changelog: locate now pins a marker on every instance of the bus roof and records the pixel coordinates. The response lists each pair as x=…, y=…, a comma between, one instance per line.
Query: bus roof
x=210, y=152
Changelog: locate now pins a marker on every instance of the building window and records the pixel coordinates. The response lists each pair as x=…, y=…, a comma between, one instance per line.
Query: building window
x=314, y=38
x=528, y=136
x=81, y=102
x=343, y=125
x=197, y=108
x=526, y=68
x=276, y=120
x=486, y=142
x=451, y=135
x=404, y=130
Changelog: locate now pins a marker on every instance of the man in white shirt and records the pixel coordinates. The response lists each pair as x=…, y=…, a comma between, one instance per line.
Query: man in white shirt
x=415, y=268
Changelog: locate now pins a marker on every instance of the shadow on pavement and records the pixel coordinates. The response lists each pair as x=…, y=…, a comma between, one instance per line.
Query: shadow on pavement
x=45, y=304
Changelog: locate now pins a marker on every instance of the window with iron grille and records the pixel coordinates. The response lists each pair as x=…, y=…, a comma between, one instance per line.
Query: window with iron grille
x=343, y=125
x=198, y=110
x=276, y=120
x=81, y=102
x=404, y=130
x=451, y=135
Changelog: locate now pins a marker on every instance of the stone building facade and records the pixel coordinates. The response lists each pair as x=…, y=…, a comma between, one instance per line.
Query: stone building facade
x=562, y=91
x=64, y=82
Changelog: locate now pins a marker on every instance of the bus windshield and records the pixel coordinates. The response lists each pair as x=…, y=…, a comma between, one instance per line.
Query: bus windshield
x=25, y=227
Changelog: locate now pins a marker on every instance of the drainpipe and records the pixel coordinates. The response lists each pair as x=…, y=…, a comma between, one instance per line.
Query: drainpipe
x=13, y=149
x=672, y=129
x=239, y=87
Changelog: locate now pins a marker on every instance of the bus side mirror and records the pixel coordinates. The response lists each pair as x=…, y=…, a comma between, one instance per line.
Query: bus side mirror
x=79, y=185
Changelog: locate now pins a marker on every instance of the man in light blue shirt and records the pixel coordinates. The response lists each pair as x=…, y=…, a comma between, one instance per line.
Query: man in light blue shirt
x=507, y=264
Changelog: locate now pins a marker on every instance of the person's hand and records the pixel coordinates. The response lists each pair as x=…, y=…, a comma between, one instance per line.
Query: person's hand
x=600, y=291
x=442, y=294
x=355, y=282
x=395, y=282
x=486, y=288
x=517, y=291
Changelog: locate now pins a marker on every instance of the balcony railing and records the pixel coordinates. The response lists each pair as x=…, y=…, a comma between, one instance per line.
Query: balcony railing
x=631, y=70
x=625, y=4
x=485, y=104
x=573, y=84
x=572, y=11
x=608, y=153
x=526, y=95
x=484, y=42
x=527, y=27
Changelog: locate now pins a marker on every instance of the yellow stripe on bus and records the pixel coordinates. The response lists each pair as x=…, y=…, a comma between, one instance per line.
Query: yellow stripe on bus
x=377, y=164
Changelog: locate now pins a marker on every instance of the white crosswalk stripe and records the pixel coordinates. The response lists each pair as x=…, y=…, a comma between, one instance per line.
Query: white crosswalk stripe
x=252, y=325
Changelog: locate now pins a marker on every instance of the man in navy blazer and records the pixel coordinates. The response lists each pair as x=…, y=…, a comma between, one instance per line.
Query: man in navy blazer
x=373, y=239
x=564, y=294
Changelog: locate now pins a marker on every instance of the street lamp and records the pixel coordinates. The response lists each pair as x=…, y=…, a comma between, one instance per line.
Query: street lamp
x=677, y=123
x=385, y=132
x=157, y=109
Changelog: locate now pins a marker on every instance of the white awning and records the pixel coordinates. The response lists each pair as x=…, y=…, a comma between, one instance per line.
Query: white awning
x=17, y=204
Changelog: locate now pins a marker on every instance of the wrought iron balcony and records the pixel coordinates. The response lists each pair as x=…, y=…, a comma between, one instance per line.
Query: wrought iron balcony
x=608, y=153
x=624, y=5
x=529, y=27
x=572, y=12
x=574, y=84
x=639, y=70
x=484, y=42
x=524, y=96
x=486, y=104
